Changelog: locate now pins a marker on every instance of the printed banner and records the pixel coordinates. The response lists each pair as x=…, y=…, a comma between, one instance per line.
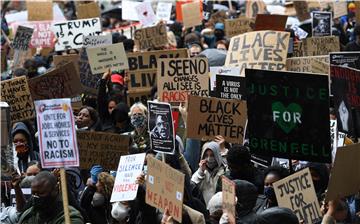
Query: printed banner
x=161, y=127
x=293, y=110
x=218, y=70
x=57, y=138
x=230, y=87
x=346, y=59
x=321, y=24
x=130, y=167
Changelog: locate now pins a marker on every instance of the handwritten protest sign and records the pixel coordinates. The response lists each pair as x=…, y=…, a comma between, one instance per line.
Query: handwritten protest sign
x=39, y=10
x=177, y=78
x=97, y=41
x=302, y=10
x=333, y=137
x=238, y=26
x=145, y=13
x=88, y=10
x=254, y=7
x=143, y=67
x=258, y=50
x=163, y=11
x=321, y=24
x=161, y=127
x=313, y=46
x=230, y=87
x=60, y=60
x=320, y=67
x=16, y=93
x=151, y=37
x=270, y=22
x=57, y=138
x=303, y=64
x=293, y=110
x=164, y=187
x=342, y=181
x=42, y=35
x=138, y=95
x=60, y=82
x=347, y=59
x=130, y=167
x=191, y=14
x=228, y=198
x=70, y=34
x=209, y=117
x=101, y=148
x=105, y=57
x=345, y=86
x=22, y=38
x=87, y=79
x=301, y=199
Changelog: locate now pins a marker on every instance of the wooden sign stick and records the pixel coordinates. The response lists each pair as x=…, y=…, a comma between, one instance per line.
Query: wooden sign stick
x=64, y=193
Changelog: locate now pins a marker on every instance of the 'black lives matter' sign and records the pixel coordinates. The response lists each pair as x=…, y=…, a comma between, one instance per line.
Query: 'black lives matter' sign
x=288, y=115
x=22, y=38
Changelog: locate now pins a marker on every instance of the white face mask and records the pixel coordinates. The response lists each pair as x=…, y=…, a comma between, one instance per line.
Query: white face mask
x=119, y=211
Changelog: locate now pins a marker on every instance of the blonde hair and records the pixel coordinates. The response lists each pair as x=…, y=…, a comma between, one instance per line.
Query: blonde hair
x=139, y=105
x=107, y=182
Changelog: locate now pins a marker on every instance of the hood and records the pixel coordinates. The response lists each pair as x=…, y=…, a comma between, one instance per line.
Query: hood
x=21, y=127
x=121, y=112
x=215, y=148
x=322, y=170
x=246, y=194
x=277, y=215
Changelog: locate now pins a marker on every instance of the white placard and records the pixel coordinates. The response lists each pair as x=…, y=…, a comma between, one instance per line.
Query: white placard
x=130, y=167
x=57, y=136
x=70, y=34
x=333, y=137
x=146, y=14
x=129, y=10
x=219, y=70
x=163, y=11
x=97, y=41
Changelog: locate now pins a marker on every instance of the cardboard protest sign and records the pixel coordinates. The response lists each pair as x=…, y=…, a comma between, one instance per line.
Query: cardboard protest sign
x=88, y=10
x=339, y=8
x=209, y=117
x=228, y=198
x=302, y=10
x=138, y=95
x=105, y=57
x=145, y=13
x=57, y=138
x=179, y=77
x=238, y=26
x=345, y=86
x=333, y=137
x=101, y=148
x=22, y=38
x=70, y=34
x=343, y=179
x=303, y=64
x=16, y=93
x=320, y=45
x=293, y=110
x=230, y=87
x=301, y=198
x=151, y=37
x=161, y=127
x=42, y=35
x=164, y=187
x=60, y=82
x=297, y=49
x=143, y=67
x=191, y=14
x=39, y=10
x=259, y=50
x=218, y=70
x=321, y=24
x=254, y=8
x=97, y=41
x=320, y=67
x=60, y=60
x=346, y=59
x=87, y=79
x=270, y=22
x=163, y=11
x=130, y=167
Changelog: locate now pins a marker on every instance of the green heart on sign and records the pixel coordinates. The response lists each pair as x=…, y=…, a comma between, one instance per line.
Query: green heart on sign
x=286, y=117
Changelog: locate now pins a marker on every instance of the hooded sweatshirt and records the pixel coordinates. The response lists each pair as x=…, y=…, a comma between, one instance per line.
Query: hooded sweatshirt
x=31, y=154
x=277, y=215
x=207, y=180
x=246, y=194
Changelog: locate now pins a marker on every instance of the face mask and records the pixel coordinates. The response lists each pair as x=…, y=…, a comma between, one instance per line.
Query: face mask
x=138, y=121
x=270, y=194
x=98, y=200
x=211, y=162
x=21, y=148
x=42, y=203
x=119, y=211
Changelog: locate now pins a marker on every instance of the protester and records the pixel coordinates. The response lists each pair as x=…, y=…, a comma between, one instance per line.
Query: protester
x=355, y=44
x=87, y=119
x=272, y=174
x=140, y=136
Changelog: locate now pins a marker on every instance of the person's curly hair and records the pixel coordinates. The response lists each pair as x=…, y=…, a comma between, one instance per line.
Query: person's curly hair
x=107, y=182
